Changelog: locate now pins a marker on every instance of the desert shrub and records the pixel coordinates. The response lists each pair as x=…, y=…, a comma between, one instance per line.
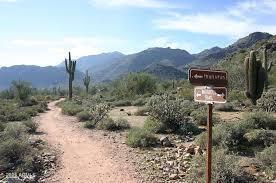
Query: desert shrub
x=31, y=111
x=99, y=112
x=169, y=112
x=258, y=119
x=31, y=126
x=188, y=128
x=267, y=101
x=14, y=130
x=225, y=168
x=138, y=137
x=2, y=127
x=227, y=107
x=142, y=111
x=154, y=125
x=139, y=102
x=30, y=101
x=226, y=135
x=199, y=117
x=134, y=84
x=84, y=116
x=89, y=124
x=236, y=95
x=186, y=91
x=21, y=89
x=70, y=108
x=267, y=159
x=17, y=116
x=120, y=103
x=260, y=137
x=113, y=125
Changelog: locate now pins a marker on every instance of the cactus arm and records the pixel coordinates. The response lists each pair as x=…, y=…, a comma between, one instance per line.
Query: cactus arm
x=246, y=65
x=269, y=66
x=66, y=65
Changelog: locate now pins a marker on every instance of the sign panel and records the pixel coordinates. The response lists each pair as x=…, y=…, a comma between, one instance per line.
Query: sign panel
x=210, y=95
x=204, y=77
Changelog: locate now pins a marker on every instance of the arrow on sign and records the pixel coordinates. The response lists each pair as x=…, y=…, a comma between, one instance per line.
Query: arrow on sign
x=198, y=76
x=198, y=95
x=221, y=95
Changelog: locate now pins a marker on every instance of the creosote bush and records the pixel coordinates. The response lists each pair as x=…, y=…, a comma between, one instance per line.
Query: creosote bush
x=31, y=126
x=70, y=108
x=227, y=107
x=154, y=125
x=138, y=137
x=260, y=137
x=267, y=101
x=225, y=168
x=84, y=116
x=259, y=119
x=121, y=103
x=267, y=159
x=113, y=125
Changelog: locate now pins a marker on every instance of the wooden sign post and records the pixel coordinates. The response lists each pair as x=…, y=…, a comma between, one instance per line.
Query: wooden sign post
x=210, y=88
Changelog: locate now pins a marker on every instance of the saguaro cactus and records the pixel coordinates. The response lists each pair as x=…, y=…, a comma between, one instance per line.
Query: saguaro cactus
x=255, y=76
x=267, y=66
x=86, y=81
x=70, y=68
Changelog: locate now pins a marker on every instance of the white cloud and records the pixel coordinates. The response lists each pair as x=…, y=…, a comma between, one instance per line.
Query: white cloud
x=53, y=51
x=165, y=42
x=239, y=20
x=136, y=3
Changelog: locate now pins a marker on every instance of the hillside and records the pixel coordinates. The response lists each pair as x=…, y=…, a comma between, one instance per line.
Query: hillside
x=41, y=77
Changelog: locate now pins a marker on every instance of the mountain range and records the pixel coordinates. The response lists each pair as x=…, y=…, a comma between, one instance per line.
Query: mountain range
x=164, y=63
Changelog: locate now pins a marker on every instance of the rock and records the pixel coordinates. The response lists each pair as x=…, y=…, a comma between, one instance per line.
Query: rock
x=198, y=150
x=122, y=110
x=173, y=176
x=14, y=180
x=165, y=141
x=191, y=149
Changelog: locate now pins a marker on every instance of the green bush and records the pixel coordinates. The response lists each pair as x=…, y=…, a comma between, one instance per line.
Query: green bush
x=227, y=107
x=139, y=102
x=31, y=111
x=31, y=126
x=142, y=111
x=188, y=129
x=70, y=108
x=111, y=125
x=154, y=125
x=84, y=116
x=258, y=120
x=199, y=117
x=225, y=168
x=17, y=116
x=21, y=89
x=267, y=159
x=171, y=113
x=267, y=101
x=99, y=112
x=89, y=125
x=260, y=137
x=121, y=103
x=2, y=127
x=138, y=137
x=236, y=95
x=15, y=130
x=226, y=135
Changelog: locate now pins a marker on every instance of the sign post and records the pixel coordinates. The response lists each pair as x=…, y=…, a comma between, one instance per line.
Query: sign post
x=210, y=88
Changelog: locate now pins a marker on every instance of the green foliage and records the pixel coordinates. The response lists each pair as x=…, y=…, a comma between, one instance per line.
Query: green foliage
x=134, y=84
x=111, y=125
x=225, y=168
x=99, y=112
x=199, y=117
x=260, y=137
x=2, y=126
x=267, y=101
x=139, y=102
x=154, y=125
x=89, y=124
x=138, y=137
x=70, y=108
x=171, y=113
x=84, y=116
x=17, y=116
x=268, y=160
x=259, y=119
x=21, y=89
x=227, y=107
x=186, y=91
x=31, y=126
x=121, y=103
x=86, y=81
x=142, y=111
x=236, y=95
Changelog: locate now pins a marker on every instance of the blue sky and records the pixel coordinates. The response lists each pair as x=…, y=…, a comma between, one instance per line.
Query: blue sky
x=41, y=32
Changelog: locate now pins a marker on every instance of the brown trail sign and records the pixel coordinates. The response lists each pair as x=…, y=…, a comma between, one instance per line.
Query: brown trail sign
x=203, y=77
x=210, y=88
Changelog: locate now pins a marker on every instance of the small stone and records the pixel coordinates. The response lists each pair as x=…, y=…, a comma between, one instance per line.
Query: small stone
x=165, y=141
x=191, y=149
x=173, y=176
x=122, y=110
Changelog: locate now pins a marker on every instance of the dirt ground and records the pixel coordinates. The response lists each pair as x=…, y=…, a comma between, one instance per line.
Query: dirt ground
x=134, y=121
x=86, y=156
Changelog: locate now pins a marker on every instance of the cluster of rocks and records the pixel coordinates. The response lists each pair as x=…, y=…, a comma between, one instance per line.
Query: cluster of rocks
x=170, y=163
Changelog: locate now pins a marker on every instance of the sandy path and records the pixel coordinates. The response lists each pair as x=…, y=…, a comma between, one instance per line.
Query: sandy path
x=85, y=156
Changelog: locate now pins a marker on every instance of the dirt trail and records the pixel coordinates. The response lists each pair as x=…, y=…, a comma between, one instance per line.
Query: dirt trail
x=85, y=156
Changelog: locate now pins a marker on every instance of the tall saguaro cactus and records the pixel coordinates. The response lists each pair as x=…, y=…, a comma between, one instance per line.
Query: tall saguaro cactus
x=267, y=66
x=70, y=68
x=255, y=76
x=86, y=81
